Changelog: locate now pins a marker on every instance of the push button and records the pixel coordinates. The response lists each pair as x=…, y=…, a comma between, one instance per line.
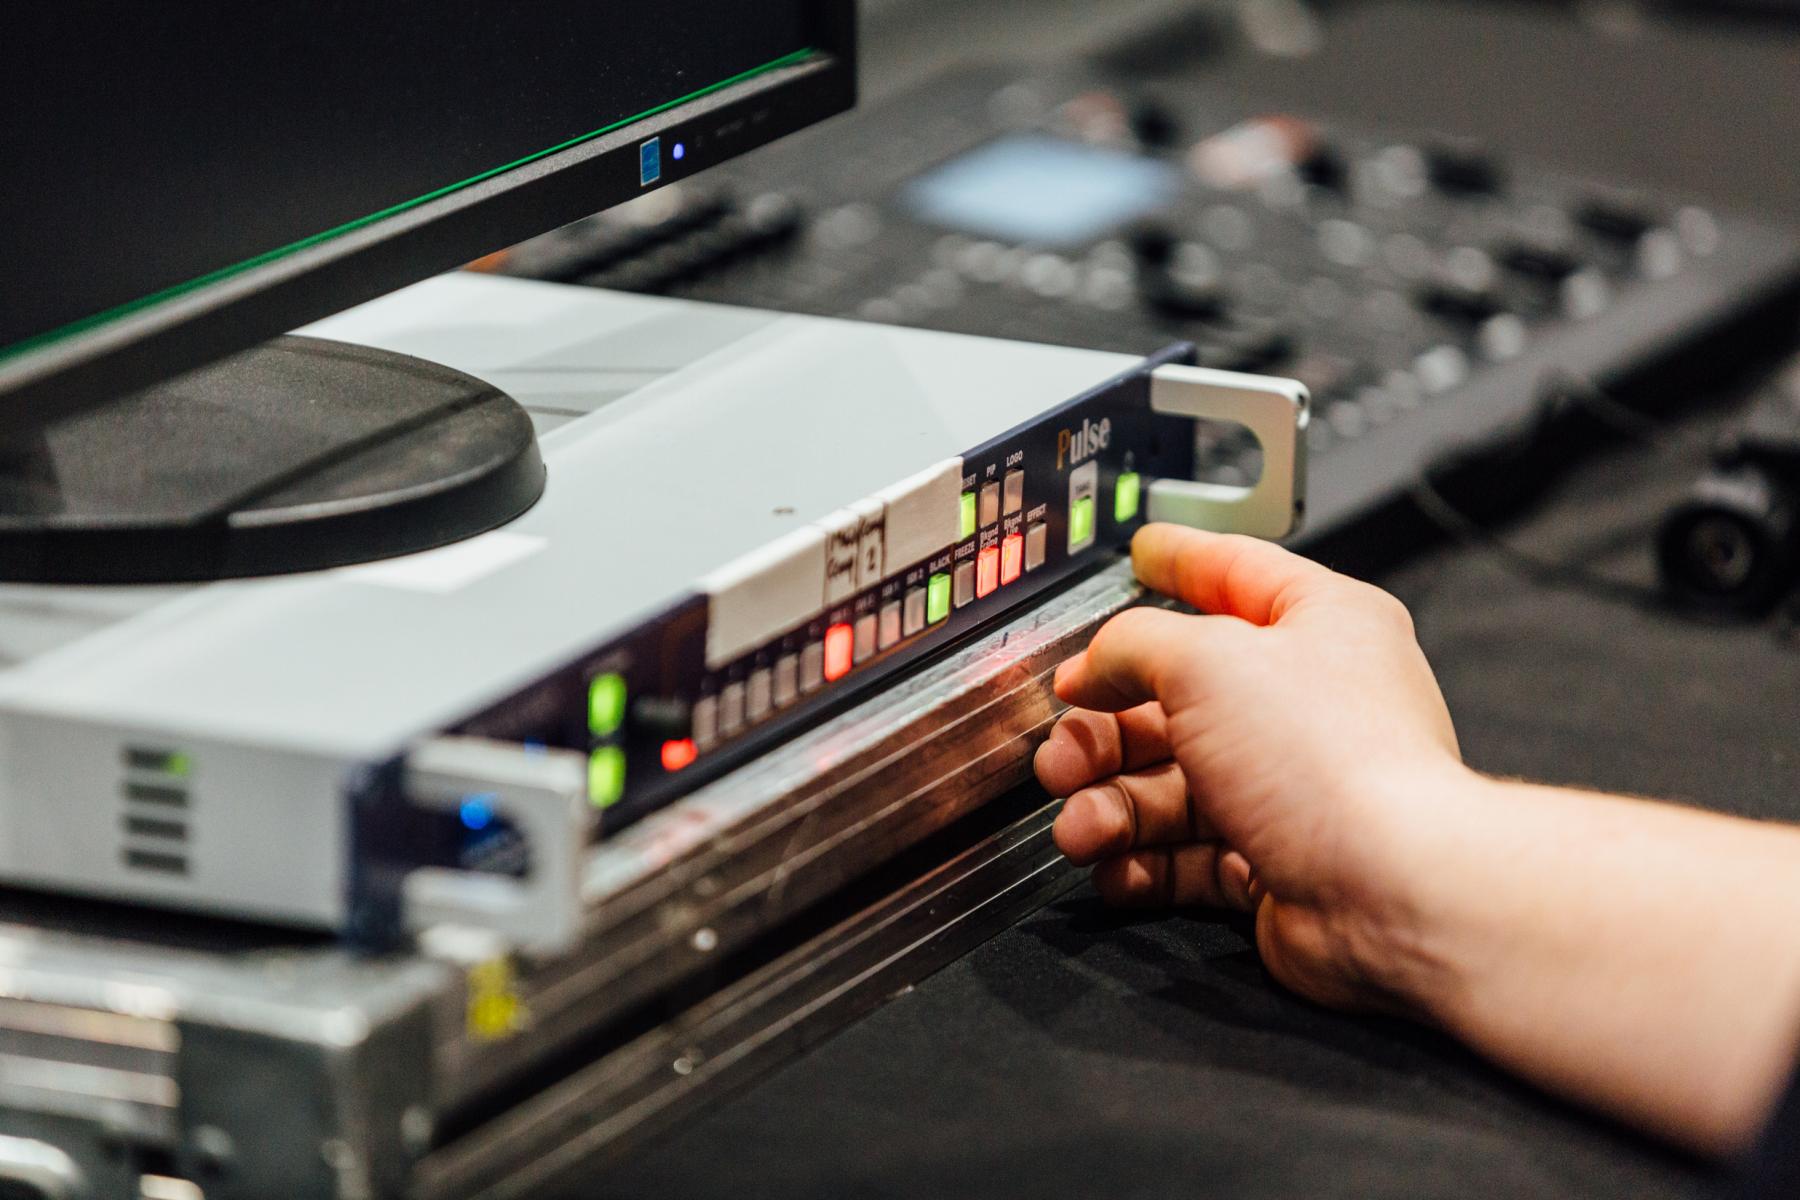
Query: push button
x=812, y=667
x=888, y=633
x=787, y=680
x=968, y=516
x=706, y=722
x=606, y=704
x=990, y=503
x=987, y=571
x=840, y=646
x=913, y=620
x=731, y=709
x=1037, y=546
x=759, y=697
x=1084, y=485
x=937, y=598
x=1013, y=495
x=965, y=583
x=606, y=776
x=1012, y=558
x=1127, y=493
x=866, y=630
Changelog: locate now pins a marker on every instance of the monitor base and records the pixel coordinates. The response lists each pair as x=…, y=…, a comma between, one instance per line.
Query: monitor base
x=299, y=455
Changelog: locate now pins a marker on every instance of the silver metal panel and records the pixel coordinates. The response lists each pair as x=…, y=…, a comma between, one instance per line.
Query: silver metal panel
x=376, y=1055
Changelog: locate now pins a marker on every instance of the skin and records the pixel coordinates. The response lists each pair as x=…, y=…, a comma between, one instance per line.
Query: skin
x=1289, y=754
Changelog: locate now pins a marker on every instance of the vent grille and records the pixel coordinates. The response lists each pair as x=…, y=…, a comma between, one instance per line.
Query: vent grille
x=155, y=791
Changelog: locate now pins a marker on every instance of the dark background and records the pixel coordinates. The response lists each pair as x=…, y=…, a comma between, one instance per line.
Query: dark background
x=188, y=136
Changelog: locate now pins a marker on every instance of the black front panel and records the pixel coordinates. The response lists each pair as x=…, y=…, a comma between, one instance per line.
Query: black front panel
x=1043, y=501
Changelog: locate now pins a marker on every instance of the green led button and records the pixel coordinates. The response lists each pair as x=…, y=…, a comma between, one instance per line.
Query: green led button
x=606, y=705
x=968, y=515
x=606, y=776
x=1126, y=494
x=1081, y=522
x=937, y=598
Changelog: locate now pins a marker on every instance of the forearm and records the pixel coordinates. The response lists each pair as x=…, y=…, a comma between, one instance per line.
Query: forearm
x=1637, y=957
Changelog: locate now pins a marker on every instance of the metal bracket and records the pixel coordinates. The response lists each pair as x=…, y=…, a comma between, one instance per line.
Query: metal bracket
x=544, y=795
x=1276, y=412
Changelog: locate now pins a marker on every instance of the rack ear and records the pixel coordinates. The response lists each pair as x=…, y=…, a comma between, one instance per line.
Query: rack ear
x=1276, y=412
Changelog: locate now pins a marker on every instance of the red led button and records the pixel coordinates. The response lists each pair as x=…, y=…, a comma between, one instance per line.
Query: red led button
x=679, y=754
x=840, y=651
x=987, y=571
x=1012, y=557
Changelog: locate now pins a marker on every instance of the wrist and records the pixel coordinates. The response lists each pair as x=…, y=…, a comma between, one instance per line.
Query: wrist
x=1436, y=830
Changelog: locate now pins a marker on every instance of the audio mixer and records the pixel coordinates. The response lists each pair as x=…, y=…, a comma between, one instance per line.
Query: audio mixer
x=1427, y=291
x=750, y=518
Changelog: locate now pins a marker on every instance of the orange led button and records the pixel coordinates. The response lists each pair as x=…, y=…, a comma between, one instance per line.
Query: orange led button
x=840, y=650
x=987, y=571
x=1012, y=558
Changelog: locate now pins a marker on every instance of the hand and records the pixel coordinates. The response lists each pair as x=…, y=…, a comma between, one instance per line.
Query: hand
x=1280, y=755
x=1289, y=754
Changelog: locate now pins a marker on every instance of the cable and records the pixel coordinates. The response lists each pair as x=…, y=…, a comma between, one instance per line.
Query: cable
x=1466, y=530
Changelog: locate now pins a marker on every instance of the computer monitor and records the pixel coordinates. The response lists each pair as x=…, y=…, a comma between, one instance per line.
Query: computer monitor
x=187, y=181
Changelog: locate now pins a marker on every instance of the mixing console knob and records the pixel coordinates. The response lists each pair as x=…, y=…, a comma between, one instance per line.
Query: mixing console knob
x=1325, y=168
x=1460, y=169
x=1153, y=244
x=1155, y=124
x=1613, y=218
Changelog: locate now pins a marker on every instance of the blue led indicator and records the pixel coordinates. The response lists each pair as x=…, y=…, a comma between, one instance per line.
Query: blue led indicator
x=478, y=812
x=680, y=151
x=650, y=161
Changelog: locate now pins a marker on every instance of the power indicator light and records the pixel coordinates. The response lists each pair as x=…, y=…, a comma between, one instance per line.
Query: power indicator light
x=1127, y=494
x=679, y=152
x=937, y=598
x=968, y=516
x=1012, y=558
x=606, y=776
x=987, y=571
x=477, y=812
x=840, y=651
x=679, y=754
x=606, y=704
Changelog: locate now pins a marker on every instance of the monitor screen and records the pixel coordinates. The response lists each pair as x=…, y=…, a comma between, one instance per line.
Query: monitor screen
x=156, y=150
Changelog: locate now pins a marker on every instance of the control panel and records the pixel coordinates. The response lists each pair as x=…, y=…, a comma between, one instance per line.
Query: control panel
x=783, y=634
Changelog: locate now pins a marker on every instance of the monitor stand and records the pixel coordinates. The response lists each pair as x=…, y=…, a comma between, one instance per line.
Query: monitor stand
x=299, y=455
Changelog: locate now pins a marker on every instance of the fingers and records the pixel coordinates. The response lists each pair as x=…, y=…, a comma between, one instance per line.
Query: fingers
x=1127, y=659
x=1146, y=654
x=1085, y=747
x=1205, y=874
x=1143, y=808
x=1225, y=574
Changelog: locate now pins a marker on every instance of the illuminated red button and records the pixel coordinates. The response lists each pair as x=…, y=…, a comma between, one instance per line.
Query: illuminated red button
x=987, y=571
x=679, y=754
x=840, y=651
x=1012, y=557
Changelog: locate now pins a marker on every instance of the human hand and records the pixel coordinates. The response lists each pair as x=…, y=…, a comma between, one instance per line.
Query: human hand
x=1283, y=755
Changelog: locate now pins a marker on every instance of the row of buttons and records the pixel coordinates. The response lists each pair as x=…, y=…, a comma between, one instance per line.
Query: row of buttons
x=997, y=566
x=845, y=646
x=1004, y=497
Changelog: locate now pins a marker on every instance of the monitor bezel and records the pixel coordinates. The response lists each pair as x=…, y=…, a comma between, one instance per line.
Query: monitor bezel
x=92, y=367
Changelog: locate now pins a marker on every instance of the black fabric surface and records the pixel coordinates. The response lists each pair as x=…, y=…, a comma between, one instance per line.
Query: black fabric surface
x=1085, y=1054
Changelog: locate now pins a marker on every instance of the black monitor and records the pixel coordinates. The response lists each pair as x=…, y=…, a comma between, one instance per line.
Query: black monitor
x=188, y=180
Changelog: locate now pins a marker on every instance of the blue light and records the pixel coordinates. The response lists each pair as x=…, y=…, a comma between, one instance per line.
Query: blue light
x=536, y=747
x=680, y=151
x=650, y=161
x=478, y=812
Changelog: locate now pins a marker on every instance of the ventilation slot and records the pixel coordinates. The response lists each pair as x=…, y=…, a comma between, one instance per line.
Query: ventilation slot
x=156, y=791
